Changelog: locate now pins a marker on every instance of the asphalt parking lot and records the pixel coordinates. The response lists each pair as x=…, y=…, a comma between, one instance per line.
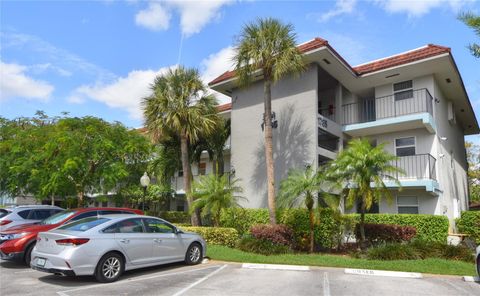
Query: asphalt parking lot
x=217, y=278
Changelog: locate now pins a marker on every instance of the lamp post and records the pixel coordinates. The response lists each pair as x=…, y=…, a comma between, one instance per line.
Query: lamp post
x=144, y=181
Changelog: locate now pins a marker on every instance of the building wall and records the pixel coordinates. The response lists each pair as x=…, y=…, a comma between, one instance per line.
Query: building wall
x=294, y=100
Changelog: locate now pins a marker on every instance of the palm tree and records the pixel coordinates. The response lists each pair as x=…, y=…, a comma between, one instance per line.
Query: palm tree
x=180, y=106
x=267, y=45
x=364, y=169
x=301, y=186
x=473, y=21
x=214, y=144
x=213, y=193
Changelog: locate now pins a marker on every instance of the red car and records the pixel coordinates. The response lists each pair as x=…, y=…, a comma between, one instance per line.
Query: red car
x=17, y=243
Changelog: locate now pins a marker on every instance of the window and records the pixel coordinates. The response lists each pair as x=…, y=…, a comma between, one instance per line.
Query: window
x=24, y=214
x=57, y=218
x=85, y=215
x=158, y=226
x=110, y=212
x=405, y=146
x=126, y=226
x=42, y=214
x=403, y=90
x=407, y=204
x=3, y=213
x=84, y=224
x=202, y=168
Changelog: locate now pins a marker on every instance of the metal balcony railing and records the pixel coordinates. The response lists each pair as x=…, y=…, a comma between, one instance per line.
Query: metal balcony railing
x=399, y=104
x=419, y=166
x=328, y=113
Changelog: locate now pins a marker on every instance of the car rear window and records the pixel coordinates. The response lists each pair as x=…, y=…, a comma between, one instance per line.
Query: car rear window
x=3, y=213
x=84, y=224
x=24, y=214
x=57, y=218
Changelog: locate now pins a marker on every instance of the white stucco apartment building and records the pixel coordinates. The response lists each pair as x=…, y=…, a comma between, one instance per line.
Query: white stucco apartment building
x=415, y=102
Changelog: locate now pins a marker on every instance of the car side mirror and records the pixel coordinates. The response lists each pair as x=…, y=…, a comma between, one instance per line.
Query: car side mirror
x=178, y=231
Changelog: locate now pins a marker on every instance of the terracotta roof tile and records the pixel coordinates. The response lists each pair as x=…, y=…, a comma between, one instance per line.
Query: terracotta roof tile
x=404, y=58
x=224, y=107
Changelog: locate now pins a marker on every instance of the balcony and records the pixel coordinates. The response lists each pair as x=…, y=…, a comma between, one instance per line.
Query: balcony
x=419, y=172
x=400, y=111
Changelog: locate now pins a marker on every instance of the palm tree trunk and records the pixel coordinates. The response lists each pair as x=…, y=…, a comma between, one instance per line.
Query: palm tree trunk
x=53, y=199
x=312, y=224
x=220, y=164
x=362, y=225
x=269, y=151
x=187, y=176
x=80, y=199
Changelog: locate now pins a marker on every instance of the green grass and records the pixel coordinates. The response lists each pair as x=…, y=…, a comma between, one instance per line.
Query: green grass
x=431, y=265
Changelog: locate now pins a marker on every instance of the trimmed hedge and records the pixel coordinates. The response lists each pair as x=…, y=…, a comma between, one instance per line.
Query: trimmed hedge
x=277, y=234
x=243, y=219
x=432, y=228
x=469, y=223
x=173, y=216
x=262, y=246
x=216, y=235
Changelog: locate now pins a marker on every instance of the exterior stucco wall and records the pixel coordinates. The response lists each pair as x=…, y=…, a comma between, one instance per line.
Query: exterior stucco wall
x=294, y=100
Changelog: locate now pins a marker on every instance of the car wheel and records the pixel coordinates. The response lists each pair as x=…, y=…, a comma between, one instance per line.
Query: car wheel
x=27, y=256
x=109, y=268
x=194, y=254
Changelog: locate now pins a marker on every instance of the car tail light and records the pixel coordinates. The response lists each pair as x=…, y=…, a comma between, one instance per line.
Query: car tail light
x=5, y=222
x=72, y=241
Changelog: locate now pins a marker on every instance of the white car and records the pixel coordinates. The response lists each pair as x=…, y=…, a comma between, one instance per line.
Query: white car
x=477, y=260
x=19, y=215
x=106, y=246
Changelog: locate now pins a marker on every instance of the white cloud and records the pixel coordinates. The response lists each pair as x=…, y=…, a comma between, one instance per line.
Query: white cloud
x=215, y=65
x=125, y=92
x=418, y=8
x=194, y=15
x=14, y=83
x=154, y=17
x=41, y=68
x=341, y=7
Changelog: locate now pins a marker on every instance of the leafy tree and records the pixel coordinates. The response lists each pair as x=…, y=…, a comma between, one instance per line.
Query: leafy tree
x=214, y=144
x=363, y=169
x=179, y=106
x=473, y=158
x=301, y=186
x=213, y=193
x=473, y=21
x=268, y=45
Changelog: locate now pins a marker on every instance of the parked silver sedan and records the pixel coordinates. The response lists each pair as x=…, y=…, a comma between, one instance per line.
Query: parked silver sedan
x=106, y=246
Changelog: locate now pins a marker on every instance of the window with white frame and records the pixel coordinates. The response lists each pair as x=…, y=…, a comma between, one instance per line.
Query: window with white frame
x=405, y=146
x=403, y=90
x=407, y=204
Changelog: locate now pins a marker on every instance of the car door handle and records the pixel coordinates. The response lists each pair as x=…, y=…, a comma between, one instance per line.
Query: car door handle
x=157, y=240
x=125, y=241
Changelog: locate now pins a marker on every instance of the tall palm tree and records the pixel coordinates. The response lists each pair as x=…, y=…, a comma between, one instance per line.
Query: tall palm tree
x=364, y=169
x=267, y=45
x=473, y=21
x=301, y=186
x=180, y=106
x=213, y=193
x=214, y=144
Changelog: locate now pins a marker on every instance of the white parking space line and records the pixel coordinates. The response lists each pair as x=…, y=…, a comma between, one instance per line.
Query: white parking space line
x=24, y=271
x=276, y=267
x=199, y=281
x=326, y=284
x=65, y=293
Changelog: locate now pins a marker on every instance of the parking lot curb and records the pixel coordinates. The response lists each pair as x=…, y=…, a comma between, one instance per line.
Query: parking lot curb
x=473, y=279
x=276, y=267
x=371, y=272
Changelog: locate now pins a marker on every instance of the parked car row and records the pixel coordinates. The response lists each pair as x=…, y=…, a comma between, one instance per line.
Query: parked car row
x=103, y=242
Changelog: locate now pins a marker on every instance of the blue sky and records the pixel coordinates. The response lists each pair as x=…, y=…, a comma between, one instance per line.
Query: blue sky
x=99, y=57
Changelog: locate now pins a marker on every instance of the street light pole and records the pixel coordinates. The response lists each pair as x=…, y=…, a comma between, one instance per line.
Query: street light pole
x=144, y=181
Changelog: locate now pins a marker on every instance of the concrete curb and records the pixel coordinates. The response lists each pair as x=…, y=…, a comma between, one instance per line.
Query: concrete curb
x=275, y=267
x=371, y=272
x=473, y=279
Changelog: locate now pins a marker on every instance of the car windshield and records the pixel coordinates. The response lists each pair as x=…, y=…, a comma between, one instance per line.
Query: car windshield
x=58, y=217
x=3, y=213
x=84, y=224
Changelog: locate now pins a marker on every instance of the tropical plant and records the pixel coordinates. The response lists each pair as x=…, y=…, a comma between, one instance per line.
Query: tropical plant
x=301, y=186
x=214, y=193
x=364, y=170
x=270, y=46
x=473, y=21
x=180, y=106
x=214, y=144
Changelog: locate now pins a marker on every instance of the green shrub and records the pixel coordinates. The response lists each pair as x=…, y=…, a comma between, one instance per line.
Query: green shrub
x=392, y=252
x=386, y=233
x=174, y=216
x=419, y=250
x=243, y=219
x=216, y=235
x=432, y=228
x=469, y=223
x=277, y=234
x=261, y=246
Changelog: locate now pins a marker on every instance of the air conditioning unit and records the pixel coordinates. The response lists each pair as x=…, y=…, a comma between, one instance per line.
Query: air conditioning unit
x=451, y=112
